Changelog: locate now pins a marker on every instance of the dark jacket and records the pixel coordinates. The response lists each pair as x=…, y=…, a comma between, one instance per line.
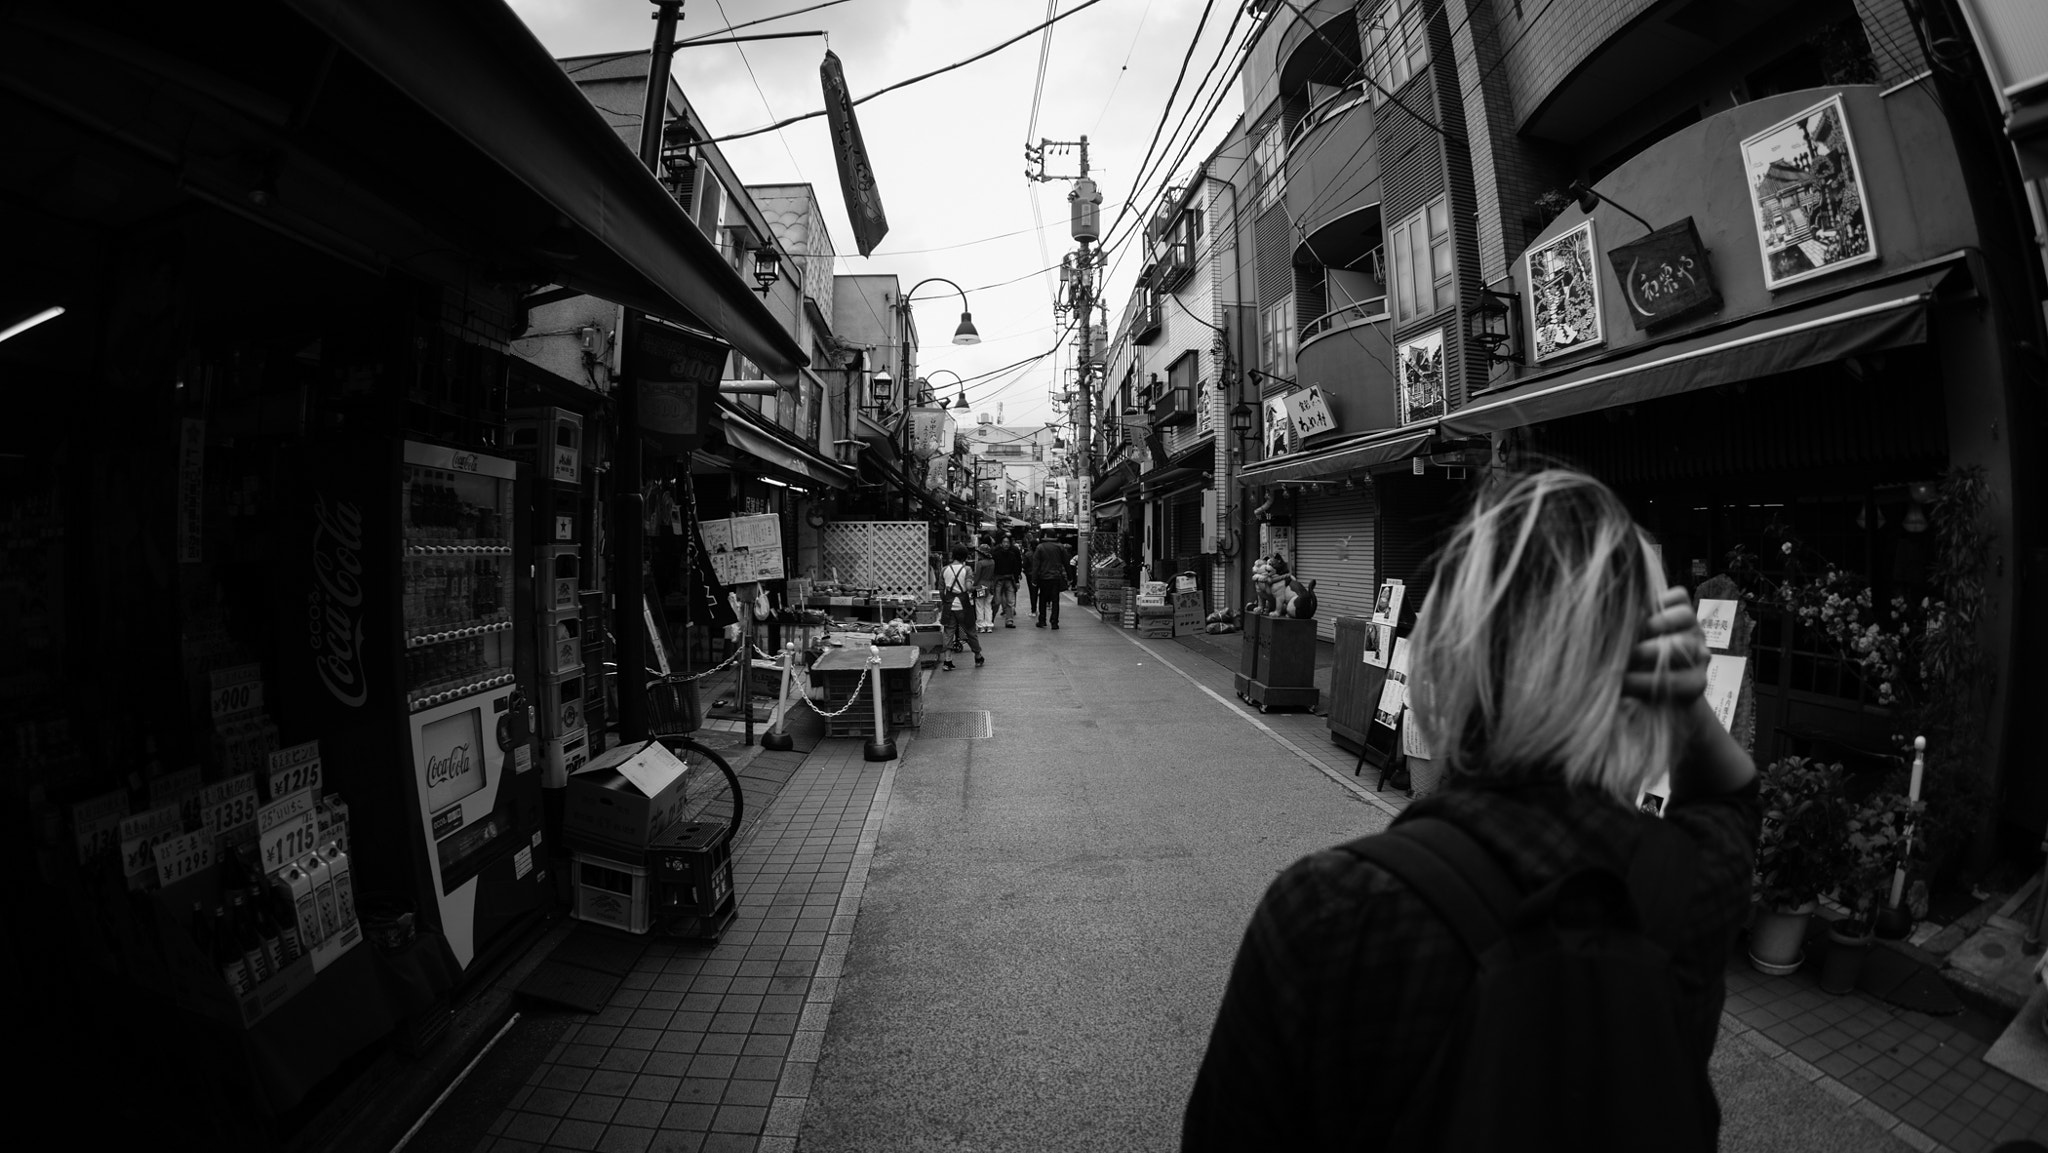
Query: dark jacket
x=1346, y=981
x=1009, y=561
x=1049, y=565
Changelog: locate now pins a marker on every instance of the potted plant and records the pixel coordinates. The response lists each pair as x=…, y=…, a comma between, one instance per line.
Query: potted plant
x=1801, y=853
x=1874, y=835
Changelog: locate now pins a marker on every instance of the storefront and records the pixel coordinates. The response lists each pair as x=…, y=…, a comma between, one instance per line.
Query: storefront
x=275, y=668
x=1334, y=546
x=1790, y=401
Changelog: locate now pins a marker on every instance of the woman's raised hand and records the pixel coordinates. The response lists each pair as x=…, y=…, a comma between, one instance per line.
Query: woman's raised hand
x=1669, y=665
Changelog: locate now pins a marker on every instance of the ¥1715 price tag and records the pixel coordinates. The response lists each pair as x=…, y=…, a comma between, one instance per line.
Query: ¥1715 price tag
x=227, y=804
x=295, y=768
x=236, y=690
x=180, y=857
x=288, y=841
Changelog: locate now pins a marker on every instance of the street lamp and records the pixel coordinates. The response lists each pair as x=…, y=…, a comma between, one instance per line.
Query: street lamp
x=881, y=386
x=965, y=334
x=959, y=405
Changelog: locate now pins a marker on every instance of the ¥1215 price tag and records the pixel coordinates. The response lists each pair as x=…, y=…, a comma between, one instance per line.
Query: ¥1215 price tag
x=228, y=804
x=180, y=857
x=286, y=829
x=236, y=690
x=295, y=768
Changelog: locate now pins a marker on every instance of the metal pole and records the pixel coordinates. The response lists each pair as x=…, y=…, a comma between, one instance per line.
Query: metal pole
x=1084, y=481
x=627, y=523
x=746, y=677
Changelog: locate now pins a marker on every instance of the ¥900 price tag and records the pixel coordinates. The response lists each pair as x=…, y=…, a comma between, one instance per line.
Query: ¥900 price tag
x=236, y=690
x=180, y=857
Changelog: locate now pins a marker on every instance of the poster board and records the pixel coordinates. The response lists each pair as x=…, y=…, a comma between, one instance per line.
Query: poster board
x=1722, y=623
x=1386, y=608
x=1188, y=610
x=1394, y=694
x=744, y=549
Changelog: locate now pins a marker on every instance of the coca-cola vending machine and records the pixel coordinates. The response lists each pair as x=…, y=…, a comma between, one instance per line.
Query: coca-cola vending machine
x=416, y=678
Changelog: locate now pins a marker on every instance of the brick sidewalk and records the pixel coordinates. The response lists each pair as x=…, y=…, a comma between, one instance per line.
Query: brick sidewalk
x=711, y=1049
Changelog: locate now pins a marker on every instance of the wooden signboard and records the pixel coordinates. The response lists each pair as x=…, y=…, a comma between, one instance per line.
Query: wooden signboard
x=1666, y=275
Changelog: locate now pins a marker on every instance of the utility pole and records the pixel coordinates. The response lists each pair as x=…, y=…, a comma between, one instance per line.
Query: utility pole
x=629, y=628
x=1085, y=216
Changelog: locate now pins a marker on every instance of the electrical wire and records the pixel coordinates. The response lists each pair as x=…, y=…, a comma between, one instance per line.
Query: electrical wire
x=941, y=248
x=1186, y=59
x=1123, y=68
x=763, y=95
x=1082, y=7
x=751, y=23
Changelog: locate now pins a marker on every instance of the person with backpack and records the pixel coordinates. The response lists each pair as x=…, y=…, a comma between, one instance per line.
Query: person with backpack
x=1049, y=578
x=1009, y=568
x=956, y=605
x=1524, y=959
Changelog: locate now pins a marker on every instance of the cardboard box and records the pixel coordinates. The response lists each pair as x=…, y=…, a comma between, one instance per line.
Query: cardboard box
x=608, y=891
x=626, y=796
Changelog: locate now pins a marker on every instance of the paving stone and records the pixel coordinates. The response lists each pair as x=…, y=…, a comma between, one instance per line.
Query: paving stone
x=731, y=1143
x=553, y=1102
x=614, y=1082
x=729, y=1043
x=766, y=1045
x=634, y=1112
x=707, y=1090
x=713, y=1065
x=625, y=1059
x=690, y=1115
x=739, y=1119
x=535, y=1127
x=593, y=1107
x=758, y=1068
x=667, y=1064
x=678, y=1041
x=626, y=1139
x=739, y=1092
x=568, y=1077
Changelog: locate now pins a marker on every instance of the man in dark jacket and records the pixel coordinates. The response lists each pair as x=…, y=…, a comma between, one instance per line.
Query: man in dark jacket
x=1009, y=568
x=1049, y=578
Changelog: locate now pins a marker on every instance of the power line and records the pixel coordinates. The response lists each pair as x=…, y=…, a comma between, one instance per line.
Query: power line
x=1082, y=7
x=751, y=23
x=1215, y=97
x=1186, y=59
x=1123, y=68
x=765, y=107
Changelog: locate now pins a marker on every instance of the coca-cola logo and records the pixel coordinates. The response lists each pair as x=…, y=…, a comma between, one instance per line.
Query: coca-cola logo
x=334, y=605
x=455, y=765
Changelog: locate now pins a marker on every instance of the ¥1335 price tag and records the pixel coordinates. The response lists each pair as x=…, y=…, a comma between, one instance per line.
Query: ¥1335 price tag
x=179, y=857
x=228, y=804
x=286, y=829
x=295, y=768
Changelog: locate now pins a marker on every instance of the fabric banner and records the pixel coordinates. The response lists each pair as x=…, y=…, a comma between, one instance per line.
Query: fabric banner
x=856, y=178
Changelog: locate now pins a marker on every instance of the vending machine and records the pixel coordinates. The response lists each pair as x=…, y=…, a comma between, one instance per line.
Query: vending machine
x=416, y=678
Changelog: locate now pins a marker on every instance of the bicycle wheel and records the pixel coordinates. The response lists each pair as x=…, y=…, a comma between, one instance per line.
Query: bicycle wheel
x=719, y=801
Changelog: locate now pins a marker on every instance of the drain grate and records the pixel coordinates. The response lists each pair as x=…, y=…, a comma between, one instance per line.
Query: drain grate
x=974, y=724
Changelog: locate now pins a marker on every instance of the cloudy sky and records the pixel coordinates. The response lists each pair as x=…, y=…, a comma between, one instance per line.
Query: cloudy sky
x=948, y=153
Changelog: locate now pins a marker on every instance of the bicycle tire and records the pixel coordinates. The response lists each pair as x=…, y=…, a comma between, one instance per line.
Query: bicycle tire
x=684, y=748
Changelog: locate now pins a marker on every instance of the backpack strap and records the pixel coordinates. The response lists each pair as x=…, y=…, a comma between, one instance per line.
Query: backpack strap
x=1451, y=872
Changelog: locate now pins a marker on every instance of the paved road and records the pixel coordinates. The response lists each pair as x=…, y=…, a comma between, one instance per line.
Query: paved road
x=1051, y=910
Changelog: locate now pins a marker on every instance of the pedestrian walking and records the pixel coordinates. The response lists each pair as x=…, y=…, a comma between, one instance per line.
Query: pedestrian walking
x=956, y=603
x=984, y=588
x=1524, y=959
x=1049, y=579
x=1009, y=569
x=1030, y=576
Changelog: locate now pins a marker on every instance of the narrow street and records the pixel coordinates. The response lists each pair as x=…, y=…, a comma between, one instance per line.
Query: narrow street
x=1014, y=938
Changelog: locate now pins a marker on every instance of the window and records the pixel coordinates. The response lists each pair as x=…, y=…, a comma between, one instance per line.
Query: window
x=1276, y=338
x=1270, y=161
x=1424, y=273
x=1182, y=373
x=1396, y=45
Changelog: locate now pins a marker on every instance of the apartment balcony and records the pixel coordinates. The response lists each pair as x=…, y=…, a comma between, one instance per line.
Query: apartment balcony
x=1333, y=162
x=1346, y=353
x=1174, y=406
x=1319, y=45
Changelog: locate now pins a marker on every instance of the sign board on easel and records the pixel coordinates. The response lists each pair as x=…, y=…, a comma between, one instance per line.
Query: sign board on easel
x=744, y=549
x=1386, y=609
x=1394, y=694
x=1724, y=685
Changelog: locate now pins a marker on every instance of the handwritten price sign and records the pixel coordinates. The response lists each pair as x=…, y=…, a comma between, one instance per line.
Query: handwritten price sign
x=140, y=834
x=228, y=804
x=286, y=829
x=97, y=824
x=294, y=769
x=236, y=690
x=180, y=857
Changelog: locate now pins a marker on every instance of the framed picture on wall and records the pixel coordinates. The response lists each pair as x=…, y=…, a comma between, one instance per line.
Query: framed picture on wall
x=1277, y=427
x=1564, y=294
x=1419, y=377
x=1806, y=190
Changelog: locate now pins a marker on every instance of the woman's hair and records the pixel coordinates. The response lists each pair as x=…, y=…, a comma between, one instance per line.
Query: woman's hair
x=1540, y=594
x=959, y=552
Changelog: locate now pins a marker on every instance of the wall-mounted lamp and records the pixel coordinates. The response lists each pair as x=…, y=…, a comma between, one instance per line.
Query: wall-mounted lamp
x=1242, y=417
x=1589, y=199
x=1491, y=326
x=767, y=267
x=881, y=387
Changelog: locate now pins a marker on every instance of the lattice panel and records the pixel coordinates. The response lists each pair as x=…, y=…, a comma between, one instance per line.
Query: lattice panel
x=893, y=556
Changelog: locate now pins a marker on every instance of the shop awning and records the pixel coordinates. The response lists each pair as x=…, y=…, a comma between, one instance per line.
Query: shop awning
x=1167, y=482
x=1108, y=510
x=474, y=66
x=1384, y=446
x=1869, y=319
x=1113, y=482
x=789, y=458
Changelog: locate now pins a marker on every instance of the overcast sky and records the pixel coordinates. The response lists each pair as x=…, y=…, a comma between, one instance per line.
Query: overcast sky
x=948, y=153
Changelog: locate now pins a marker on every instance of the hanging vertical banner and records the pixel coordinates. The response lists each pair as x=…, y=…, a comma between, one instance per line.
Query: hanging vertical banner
x=856, y=178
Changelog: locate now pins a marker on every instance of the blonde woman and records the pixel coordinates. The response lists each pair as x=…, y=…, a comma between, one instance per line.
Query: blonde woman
x=1554, y=675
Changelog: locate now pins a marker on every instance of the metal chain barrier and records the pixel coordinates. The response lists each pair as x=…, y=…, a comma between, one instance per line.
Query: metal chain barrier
x=854, y=700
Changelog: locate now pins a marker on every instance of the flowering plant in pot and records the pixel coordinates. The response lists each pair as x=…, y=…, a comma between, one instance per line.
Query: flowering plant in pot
x=1874, y=833
x=1802, y=852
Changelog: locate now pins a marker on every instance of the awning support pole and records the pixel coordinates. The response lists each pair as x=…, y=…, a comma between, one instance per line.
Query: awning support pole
x=628, y=526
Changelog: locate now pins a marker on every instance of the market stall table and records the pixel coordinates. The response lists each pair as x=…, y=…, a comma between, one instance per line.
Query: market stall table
x=838, y=672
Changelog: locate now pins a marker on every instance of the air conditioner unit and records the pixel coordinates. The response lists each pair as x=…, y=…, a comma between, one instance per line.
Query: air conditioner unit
x=987, y=418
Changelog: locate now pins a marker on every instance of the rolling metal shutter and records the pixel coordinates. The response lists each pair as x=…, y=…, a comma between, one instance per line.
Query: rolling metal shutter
x=1344, y=572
